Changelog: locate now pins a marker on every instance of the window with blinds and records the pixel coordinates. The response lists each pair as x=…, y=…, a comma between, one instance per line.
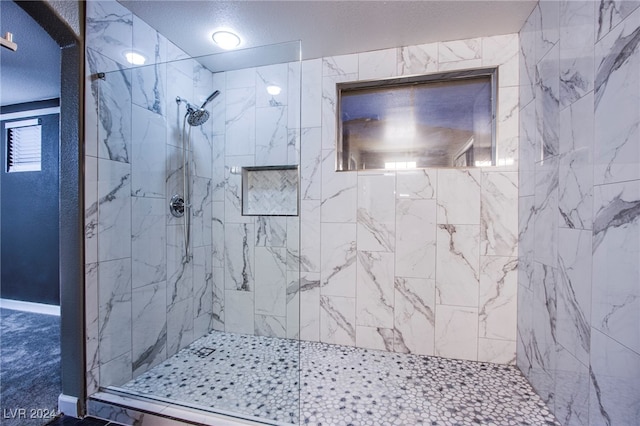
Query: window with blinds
x=24, y=146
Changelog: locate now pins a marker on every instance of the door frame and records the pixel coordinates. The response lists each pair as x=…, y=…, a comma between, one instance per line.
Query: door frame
x=58, y=24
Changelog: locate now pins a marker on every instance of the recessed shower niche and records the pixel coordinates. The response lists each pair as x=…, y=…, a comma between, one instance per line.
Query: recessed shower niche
x=270, y=191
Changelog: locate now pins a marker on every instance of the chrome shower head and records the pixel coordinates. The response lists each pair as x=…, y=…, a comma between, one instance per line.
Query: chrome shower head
x=197, y=117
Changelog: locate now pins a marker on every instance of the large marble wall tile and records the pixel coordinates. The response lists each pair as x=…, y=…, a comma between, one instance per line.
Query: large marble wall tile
x=459, y=196
x=179, y=84
x=217, y=107
x=311, y=164
x=502, y=51
x=218, y=180
x=499, y=214
x=329, y=106
x=239, y=257
x=240, y=129
x=310, y=306
x=148, y=86
x=416, y=184
x=508, y=128
x=203, y=284
x=376, y=212
x=575, y=188
x=456, y=334
x=460, y=65
x=338, y=320
x=311, y=114
x=340, y=65
x=576, y=47
x=339, y=191
x=91, y=203
x=544, y=318
x=217, y=233
x=615, y=382
x=572, y=390
x=271, y=136
x=415, y=245
x=338, y=254
x=148, y=159
x=377, y=64
x=528, y=58
x=576, y=126
x=92, y=318
x=616, y=249
x=528, y=150
x=271, y=231
x=609, y=13
x=271, y=281
x=574, y=292
x=201, y=211
x=114, y=210
x=549, y=33
x=617, y=103
x=414, y=315
x=497, y=316
x=233, y=188
x=109, y=29
x=375, y=289
x=202, y=141
x=272, y=75
x=463, y=50
x=457, y=265
x=179, y=325
x=114, y=110
x=496, y=351
x=374, y=338
x=270, y=326
x=310, y=235
x=245, y=77
x=114, y=302
x=548, y=103
x=294, y=88
x=149, y=326
x=293, y=144
x=293, y=243
x=525, y=343
x=420, y=59
x=545, y=207
x=148, y=42
x=218, y=302
x=293, y=305
x=179, y=266
x=526, y=240
x=117, y=371
x=148, y=241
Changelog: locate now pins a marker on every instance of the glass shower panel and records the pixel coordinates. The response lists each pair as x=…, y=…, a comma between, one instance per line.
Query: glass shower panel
x=198, y=303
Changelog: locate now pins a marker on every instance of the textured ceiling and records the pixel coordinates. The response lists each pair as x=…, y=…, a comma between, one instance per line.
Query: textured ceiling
x=31, y=73
x=328, y=28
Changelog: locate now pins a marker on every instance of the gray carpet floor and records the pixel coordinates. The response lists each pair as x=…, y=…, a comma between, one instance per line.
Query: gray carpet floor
x=29, y=367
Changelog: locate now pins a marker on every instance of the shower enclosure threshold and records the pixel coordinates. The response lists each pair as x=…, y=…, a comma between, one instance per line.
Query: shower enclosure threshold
x=114, y=404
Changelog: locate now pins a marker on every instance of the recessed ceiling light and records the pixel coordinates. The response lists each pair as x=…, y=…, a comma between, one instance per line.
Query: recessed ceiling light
x=226, y=40
x=273, y=90
x=135, y=58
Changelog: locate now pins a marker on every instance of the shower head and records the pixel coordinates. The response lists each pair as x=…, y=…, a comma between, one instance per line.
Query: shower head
x=210, y=98
x=197, y=117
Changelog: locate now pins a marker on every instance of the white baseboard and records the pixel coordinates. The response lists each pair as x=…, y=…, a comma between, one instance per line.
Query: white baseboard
x=36, y=308
x=69, y=405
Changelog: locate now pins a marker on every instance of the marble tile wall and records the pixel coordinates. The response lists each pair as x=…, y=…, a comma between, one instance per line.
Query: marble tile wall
x=415, y=261
x=145, y=300
x=579, y=231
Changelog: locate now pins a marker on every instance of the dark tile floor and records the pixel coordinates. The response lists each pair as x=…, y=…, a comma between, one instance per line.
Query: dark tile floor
x=72, y=421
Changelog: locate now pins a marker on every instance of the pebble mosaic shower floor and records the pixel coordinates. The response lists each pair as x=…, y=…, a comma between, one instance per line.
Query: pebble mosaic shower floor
x=340, y=385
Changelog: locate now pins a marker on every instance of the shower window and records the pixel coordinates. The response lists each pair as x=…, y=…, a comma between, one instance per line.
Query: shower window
x=438, y=120
x=24, y=144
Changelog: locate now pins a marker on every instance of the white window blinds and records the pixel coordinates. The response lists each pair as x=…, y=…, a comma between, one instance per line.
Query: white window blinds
x=24, y=145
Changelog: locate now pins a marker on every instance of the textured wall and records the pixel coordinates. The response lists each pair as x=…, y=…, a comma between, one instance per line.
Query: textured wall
x=420, y=261
x=579, y=243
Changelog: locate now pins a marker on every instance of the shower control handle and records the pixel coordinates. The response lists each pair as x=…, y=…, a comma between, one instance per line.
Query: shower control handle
x=177, y=206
